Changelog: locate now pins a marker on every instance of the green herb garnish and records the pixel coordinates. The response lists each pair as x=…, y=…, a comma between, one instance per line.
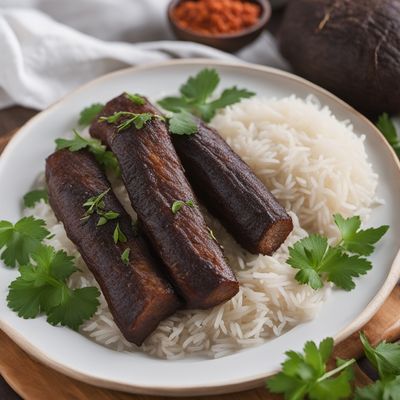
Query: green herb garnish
x=125, y=256
x=118, y=235
x=380, y=390
x=356, y=240
x=34, y=196
x=104, y=157
x=135, y=98
x=96, y=205
x=89, y=114
x=317, y=261
x=41, y=287
x=386, y=126
x=106, y=216
x=178, y=204
x=138, y=120
x=195, y=99
x=385, y=357
x=21, y=240
x=183, y=123
x=306, y=374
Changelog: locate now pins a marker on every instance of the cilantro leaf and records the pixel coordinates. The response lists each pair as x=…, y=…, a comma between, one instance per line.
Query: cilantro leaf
x=317, y=261
x=228, y=97
x=34, y=196
x=41, y=287
x=104, y=157
x=182, y=123
x=307, y=255
x=21, y=239
x=386, y=126
x=355, y=239
x=78, y=143
x=174, y=104
x=385, y=357
x=380, y=390
x=33, y=291
x=340, y=268
x=75, y=306
x=305, y=374
x=25, y=298
x=196, y=96
x=89, y=114
x=198, y=88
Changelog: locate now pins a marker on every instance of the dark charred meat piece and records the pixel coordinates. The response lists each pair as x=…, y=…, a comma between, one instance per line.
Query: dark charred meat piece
x=139, y=297
x=154, y=178
x=231, y=191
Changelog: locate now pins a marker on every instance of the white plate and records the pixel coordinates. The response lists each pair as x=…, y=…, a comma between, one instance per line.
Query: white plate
x=74, y=355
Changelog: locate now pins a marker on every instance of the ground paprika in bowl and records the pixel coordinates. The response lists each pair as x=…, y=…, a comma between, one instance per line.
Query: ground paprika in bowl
x=225, y=24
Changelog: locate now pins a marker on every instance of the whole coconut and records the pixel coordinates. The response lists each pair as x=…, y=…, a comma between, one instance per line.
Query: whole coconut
x=350, y=47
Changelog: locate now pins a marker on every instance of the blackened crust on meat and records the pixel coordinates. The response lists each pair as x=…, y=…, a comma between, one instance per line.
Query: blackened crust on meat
x=231, y=191
x=154, y=178
x=137, y=294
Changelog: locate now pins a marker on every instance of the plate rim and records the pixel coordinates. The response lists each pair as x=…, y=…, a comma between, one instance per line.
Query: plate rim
x=237, y=384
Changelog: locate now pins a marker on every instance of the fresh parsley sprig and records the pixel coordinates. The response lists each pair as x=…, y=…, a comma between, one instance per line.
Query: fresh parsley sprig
x=317, y=261
x=103, y=156
x=137, y=120
x=196, y=99
x=34, y=196
x=387, y=127
x=305, y=374
x=21, y=239
x=42, y=288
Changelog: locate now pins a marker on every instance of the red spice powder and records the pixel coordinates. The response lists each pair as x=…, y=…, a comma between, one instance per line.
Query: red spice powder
x=213, y=17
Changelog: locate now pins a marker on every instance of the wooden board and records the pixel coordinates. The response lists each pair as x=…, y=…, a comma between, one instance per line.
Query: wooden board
x=35, y=381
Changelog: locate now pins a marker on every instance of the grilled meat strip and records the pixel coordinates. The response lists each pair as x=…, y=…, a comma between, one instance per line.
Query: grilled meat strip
x=154, y=178
x=231, y=191
x=138, y=295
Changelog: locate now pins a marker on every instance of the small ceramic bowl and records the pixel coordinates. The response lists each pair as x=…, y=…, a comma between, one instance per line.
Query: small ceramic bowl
x=227, y=42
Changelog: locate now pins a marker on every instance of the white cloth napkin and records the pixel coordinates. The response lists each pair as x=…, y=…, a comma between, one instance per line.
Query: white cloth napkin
x=49, y=47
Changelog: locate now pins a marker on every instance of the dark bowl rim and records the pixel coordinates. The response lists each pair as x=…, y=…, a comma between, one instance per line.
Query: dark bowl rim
x=262, y=21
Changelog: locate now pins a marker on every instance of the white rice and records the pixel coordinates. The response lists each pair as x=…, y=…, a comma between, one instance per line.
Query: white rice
x=302, y=154
x=312, y=162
